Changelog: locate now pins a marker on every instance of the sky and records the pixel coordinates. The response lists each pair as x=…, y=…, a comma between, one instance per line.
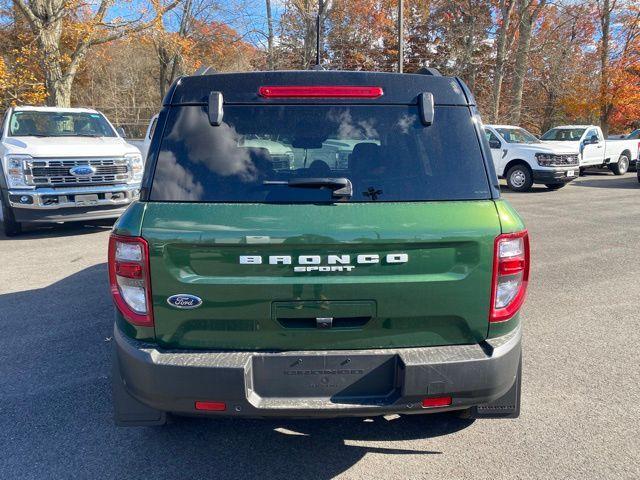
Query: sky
x=253, y=18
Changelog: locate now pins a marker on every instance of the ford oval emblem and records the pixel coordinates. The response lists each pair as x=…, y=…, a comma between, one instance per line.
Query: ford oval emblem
x=184, y=300
x=82, y=171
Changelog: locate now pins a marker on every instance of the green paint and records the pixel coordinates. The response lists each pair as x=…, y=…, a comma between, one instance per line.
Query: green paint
x=439, y=297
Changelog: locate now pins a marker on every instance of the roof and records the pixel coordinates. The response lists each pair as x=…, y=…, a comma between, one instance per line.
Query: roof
x=502, y=126
x=242, y=88
x=28, y=108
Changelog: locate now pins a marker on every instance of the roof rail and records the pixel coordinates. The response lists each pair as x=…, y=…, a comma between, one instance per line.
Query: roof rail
x=205, y=70
x=429, y=71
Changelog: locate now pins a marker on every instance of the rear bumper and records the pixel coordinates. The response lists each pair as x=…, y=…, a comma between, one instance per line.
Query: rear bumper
x=293, y=384
x=549, y=177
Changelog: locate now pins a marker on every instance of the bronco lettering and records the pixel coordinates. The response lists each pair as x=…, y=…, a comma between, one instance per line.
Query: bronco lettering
x=334, y=263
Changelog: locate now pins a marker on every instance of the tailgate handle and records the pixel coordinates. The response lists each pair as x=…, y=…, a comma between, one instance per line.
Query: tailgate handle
x=324, y=323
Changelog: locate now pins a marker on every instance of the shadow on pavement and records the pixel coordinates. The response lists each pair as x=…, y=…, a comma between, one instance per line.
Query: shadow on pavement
x=52, y=230
x=56, y=422
x=600, y=180
x=535, y=188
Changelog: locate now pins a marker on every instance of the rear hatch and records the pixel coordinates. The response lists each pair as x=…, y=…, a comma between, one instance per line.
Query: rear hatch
x=439, y=296
x=283, y=259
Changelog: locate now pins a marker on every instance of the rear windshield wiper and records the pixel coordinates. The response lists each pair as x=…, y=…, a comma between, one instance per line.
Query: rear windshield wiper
x=341, y=187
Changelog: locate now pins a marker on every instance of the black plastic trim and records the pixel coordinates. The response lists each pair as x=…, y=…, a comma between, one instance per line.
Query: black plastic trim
x=172, y=380
x=242, y=88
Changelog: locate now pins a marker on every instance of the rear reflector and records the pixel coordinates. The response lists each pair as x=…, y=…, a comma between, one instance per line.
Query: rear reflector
x=129, y=270
x=211, y=406
x=332, y=91
x=433, y=402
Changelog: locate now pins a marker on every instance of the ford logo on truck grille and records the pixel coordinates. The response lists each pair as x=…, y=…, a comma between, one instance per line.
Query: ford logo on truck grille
x=184, y=300
x=82, y=171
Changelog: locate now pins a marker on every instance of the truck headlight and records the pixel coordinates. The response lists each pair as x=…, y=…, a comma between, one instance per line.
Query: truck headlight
x=136, y=165
x=15, y=169
x=545, y=160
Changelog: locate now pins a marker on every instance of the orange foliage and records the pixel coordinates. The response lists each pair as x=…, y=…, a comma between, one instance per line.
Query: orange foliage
x=20, y=78
x=220, y=46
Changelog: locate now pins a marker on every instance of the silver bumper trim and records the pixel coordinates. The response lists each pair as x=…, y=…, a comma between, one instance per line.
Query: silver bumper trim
x=124, y=195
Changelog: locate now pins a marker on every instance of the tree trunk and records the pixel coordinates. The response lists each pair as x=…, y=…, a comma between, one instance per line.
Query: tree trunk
x=555, y=84
x=309, y=41
x=162, y=74
x=57, y=86
x=270, y=59
x=604, y=104
x=170, y=59
x=522, y=60
x=549, y=111
x=506, y=7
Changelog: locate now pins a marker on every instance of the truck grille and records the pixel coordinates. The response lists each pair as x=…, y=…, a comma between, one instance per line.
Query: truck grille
x=564, y=159
x=58, y=171
x=281, y=162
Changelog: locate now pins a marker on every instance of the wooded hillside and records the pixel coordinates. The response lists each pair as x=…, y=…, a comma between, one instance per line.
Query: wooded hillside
x=530, y=62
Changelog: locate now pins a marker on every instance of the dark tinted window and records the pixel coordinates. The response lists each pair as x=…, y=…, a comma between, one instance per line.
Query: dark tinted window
x=633, y=135
x=491, y=137
x=152, y=128
x=563, y=134
x=517, y=135
x=59, y=124
x=385, y=152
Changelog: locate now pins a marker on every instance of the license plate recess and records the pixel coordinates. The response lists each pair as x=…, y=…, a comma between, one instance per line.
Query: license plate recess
x=338, y=377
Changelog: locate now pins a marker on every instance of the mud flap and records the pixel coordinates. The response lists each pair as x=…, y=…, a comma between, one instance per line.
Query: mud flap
x=507, y=406
x=129, y=412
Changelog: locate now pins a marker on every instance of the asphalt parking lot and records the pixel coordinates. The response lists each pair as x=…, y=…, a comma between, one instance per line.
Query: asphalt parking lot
x=581, y=400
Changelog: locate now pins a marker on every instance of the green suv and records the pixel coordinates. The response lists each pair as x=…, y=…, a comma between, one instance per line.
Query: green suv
x=389, y=281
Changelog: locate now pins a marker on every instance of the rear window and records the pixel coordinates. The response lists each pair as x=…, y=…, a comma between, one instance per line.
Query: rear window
x=384, y=150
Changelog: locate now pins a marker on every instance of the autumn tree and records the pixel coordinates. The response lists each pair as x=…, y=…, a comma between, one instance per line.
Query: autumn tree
x=535, y=63
x=624, y=89
x=528, y=12
x=504, y=35
x=558, y=62
x=614, y=54
x=173, y=38
x=46, y=19
x=362, y=36
x=20, y=78
x=297, y=36
x=417, y=34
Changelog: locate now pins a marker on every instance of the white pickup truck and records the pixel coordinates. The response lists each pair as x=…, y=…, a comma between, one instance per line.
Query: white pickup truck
x=145, y=143
x=63, y=164
x=594, y=150
x=522, y=159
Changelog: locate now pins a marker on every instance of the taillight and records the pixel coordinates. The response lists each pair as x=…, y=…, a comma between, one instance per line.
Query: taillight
x=510, y=275
x=129, y=278
x=320, y=91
